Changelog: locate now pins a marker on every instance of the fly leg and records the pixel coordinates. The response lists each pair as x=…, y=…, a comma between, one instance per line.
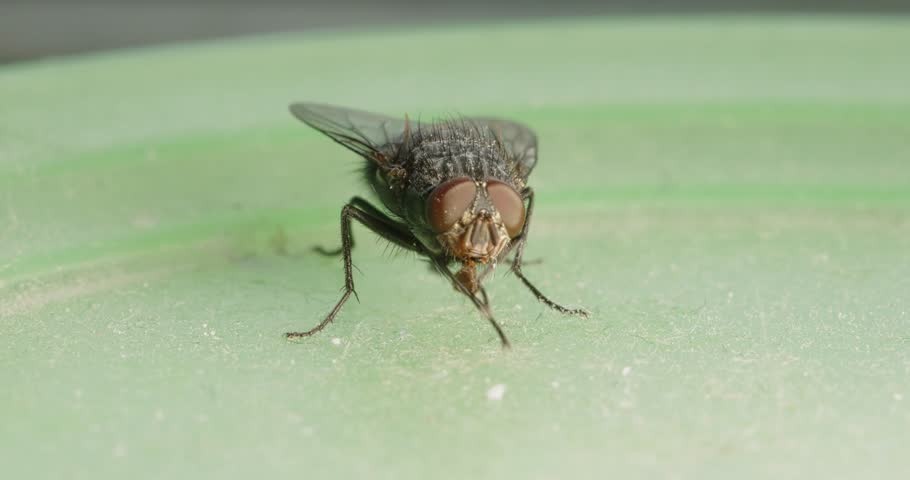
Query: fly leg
x=524, y=263
x=482, y=305
x=483, y=296
x=367, y=207
x=358, y=209
x=520, y=242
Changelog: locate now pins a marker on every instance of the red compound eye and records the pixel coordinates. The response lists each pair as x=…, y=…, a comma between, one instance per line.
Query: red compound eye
x=448, y=203
x=509, y=204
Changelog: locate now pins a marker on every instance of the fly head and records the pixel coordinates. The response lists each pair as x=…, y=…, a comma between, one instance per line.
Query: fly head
x=475, y=220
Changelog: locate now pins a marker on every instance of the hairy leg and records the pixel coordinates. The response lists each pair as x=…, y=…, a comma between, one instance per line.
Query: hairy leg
x=482, y=305
x=369, y=209
x=519, y=245
x=380, y=224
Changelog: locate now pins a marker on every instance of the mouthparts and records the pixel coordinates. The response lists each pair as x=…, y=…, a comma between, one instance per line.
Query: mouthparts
x=483, y=240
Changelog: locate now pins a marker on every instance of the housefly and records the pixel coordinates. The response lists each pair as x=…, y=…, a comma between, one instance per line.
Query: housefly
x=455, y=191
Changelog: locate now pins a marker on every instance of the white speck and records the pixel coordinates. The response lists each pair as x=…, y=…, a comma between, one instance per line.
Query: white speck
x=496, y=392
x=336, y=341
x=119, y=450
x=626, y=371
x=898, y=397
x=144, y=221
x=554, y=384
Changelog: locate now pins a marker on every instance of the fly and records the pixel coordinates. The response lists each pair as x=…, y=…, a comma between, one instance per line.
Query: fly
x=455, y=192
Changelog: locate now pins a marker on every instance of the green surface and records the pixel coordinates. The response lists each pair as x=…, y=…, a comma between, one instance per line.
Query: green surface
x=729, y=196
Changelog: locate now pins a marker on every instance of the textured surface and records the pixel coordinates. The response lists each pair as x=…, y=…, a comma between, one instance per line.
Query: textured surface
x=729, y=196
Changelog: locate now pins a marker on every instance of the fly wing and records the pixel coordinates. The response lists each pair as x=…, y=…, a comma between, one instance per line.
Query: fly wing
x=519, y=140
x=362, y=132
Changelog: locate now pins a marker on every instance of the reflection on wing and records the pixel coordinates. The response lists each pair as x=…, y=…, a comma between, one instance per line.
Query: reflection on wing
x=363, y=132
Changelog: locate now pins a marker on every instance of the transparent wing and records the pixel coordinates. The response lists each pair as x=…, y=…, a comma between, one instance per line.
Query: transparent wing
x=518, y=139
x=363, y=132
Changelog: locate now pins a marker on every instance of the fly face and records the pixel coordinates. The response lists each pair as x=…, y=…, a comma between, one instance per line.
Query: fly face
x=455, y=192
x=475, y=220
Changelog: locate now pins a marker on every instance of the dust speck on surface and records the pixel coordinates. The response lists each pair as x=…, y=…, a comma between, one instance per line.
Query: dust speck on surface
x=496, y=392
x=626, y=371
x=119, y=450
x=336, y=341
x=898, y=397
x=144, y=222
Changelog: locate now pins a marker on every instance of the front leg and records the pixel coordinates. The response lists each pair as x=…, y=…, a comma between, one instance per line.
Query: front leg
x=482, y=304
x=380, y=224
x=369, y=209
x=520, y=242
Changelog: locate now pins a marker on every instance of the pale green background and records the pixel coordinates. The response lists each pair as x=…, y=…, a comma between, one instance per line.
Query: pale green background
x=729, y=196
